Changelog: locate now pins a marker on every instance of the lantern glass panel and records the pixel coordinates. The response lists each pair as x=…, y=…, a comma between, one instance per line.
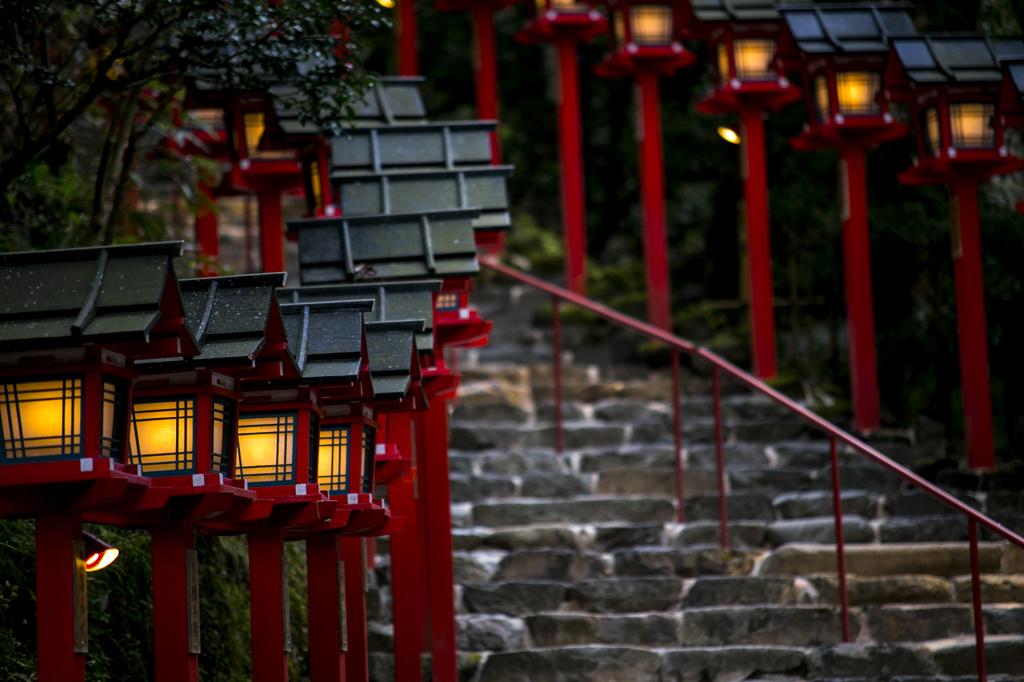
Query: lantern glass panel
x=369, y=451
x=969, y=122
x=255, y=125
x=856, y=91
x=222, y=433
x=651, y=24
x=163, y=438
x=619, y=27
x=722, y=57
x=115, y=400
x=753, y=58
x=449, y=301
x=211, y=119
x=822, y=105
x=42, y=418
x=332, y=459
x=266, y=448
x=930, y=127
x=567, y=6
x=316, y=191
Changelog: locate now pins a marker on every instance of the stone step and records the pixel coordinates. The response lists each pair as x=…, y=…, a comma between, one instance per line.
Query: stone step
x=946, y=657
x=561, y=565
x=571, y=629
x=764, y=625
x=513, y=598
x=800, y=505
x=821, y=529
x=593, y=509
x=573, y=664
x=937, y=558
x=745, y=506
x=625, y=595
x=686, y=562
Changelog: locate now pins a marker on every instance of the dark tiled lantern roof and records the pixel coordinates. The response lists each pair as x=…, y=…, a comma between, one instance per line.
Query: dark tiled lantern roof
x=949, y=58
x=326, y=339
x=66, y=297
x=392, y=301
x=846, y=27
x=379, y=247
x=734, y=10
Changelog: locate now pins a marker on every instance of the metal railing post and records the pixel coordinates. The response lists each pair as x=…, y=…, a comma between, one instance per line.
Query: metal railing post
x=723, y=501
x=677, y=432
x=979, y=621
x=837, y=507
x=556, y=322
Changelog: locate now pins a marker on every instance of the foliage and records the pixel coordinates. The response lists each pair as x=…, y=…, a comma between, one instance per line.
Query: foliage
x=105, y=78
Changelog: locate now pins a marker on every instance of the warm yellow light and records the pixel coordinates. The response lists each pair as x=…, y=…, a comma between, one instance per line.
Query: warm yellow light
x=162, y=435
x=567, y=6
x=41, y=418
x=266, y=448
x=722, y=55
x=619, y=27
x=932, y=136
x=386, y=3
x=255, y=125
x=101, y=560
x=969, y=123
x=332, y=460
x=753, y=59
x=822, y=105
x=856, y=92
x=729, y=135
x=651, y=24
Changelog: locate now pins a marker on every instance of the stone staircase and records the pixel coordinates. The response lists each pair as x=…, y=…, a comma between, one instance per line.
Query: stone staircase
x=572, y=567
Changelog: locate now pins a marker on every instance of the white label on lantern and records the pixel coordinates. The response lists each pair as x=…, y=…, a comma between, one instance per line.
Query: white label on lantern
x=381, y=448
x=353, y=498
x=463, y=313
x=85, y=464
x=198, y=480
x=300, y=488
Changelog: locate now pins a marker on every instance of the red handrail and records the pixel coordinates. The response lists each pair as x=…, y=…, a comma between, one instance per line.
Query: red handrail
x=756, y=384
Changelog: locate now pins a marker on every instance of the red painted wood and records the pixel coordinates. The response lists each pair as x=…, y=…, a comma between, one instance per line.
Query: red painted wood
x=170, y=603
x=405, y=560
x=755, y=194
x=326, y=659
x=652, y=194
x=55, y=531
x=970, y=313
x=979, y=620
x=677, y=434
x=486, y=67
x=556, y=355
x=206, y=225
x=440, y=575
x=408, y=48
x=752, y=382
x=266, y=608
x=271, y=232
x=574, y=219
x=837, y=510
x=723, y=498
x=860, y=312
x=357, y=663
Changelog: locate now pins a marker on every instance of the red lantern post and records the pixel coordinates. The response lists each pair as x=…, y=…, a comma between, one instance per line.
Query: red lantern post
x=567, y=24
x=485, y=58
x=951, y=85
x=844, y=77
x=645, y=48
x=742, y=45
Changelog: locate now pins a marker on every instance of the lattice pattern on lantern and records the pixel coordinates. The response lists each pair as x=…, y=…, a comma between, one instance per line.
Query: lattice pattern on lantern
x=932, y=137
x=969, y=123
x=115, y=395
x=266, y=449
x=255, y=125
x=856, y=92
x=163, y=436
x=213, y=119
x=722, y=58
x=314, y=440
x=369, y=451
x=332, y=460
x=223, y=428
x=448, y=301
x=753, y=58
x=651, y=24
x=822, y=105
x=42, y=418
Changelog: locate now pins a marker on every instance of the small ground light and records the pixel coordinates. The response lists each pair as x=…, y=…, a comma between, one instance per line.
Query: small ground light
x=386, y=3
x=729, y=135
x=99, y=554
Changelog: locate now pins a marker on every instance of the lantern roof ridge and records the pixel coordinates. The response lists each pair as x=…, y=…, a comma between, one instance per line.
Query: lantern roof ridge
x=968, y=58
x=817, y=29
x=326, y=338
x=274, y=279
x=734, y=10
x=104, y=294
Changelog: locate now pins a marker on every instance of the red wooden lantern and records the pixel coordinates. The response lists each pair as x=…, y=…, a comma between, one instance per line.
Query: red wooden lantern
x=71, y=325
x=742, y=41
x=951, y=85
x=840, y=50
x=566, y=24
x=645, y=46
